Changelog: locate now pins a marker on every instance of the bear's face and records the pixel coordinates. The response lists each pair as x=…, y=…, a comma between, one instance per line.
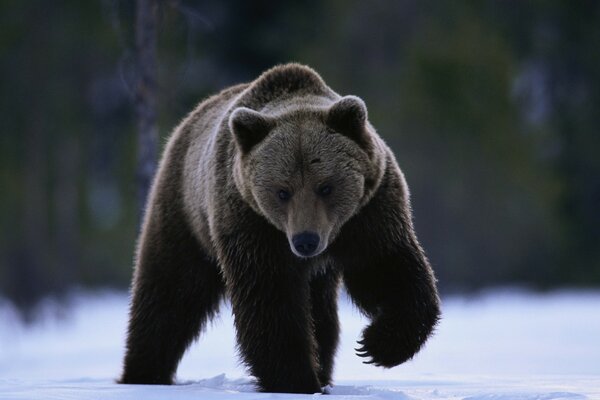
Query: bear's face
x=301, y=172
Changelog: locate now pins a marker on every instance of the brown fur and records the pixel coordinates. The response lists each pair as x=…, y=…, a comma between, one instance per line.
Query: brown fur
x=242, y=177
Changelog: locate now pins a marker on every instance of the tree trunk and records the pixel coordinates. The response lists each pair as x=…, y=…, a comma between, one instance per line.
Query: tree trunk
x=145, y=98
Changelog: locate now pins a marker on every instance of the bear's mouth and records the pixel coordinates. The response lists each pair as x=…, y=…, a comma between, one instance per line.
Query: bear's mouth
x=306, y=256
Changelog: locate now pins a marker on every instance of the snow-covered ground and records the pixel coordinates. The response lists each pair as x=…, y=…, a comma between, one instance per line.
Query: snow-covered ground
x=498, y=346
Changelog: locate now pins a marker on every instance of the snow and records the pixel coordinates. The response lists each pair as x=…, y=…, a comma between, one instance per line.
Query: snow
x=503, y=345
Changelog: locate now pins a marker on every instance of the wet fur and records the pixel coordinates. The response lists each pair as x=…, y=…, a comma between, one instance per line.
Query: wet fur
x=205, y=238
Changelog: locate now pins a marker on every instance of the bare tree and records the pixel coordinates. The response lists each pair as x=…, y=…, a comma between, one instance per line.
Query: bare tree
x=145, y=97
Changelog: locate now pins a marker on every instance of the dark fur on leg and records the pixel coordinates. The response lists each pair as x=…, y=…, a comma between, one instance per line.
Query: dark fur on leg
x=323, y=296
x=270, y=295
x=176, y=290
x=388, y=277
x=398, y=299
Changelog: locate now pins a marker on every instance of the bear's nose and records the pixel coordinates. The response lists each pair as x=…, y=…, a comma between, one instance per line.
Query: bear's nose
x=306, y=243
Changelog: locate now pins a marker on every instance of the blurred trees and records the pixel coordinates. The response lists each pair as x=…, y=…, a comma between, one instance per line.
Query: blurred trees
x=491, y=108
x=65, y=171
x=146, y=98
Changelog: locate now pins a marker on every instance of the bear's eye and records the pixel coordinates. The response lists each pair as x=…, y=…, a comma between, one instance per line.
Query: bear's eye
x=284, y=195
x=325, y=190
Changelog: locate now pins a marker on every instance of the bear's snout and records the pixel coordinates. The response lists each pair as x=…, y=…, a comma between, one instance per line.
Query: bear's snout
x=305, y=243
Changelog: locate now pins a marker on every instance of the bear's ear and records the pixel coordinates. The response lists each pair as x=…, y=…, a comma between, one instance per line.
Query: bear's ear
x=249, y=127
x=348, y=116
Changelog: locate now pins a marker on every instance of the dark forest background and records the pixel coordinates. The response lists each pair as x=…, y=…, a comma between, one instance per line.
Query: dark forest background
x=492, y=108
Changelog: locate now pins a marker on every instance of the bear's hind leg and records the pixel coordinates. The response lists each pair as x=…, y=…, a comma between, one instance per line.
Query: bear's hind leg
x=176, y=289
x=323, y=295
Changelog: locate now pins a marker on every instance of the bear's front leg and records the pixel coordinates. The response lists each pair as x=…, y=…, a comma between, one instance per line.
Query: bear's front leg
x=396, y=289
x=270, y=299
x=323, y=299
x=388, y=277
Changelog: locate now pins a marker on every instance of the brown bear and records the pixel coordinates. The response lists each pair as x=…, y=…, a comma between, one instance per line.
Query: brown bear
x=270, y=194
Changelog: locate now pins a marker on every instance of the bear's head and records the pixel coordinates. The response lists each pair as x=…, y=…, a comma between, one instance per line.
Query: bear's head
x=307, y=170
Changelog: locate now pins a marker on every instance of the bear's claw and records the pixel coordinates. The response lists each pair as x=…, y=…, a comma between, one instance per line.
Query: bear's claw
x=363, y=352
x=382, y=346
